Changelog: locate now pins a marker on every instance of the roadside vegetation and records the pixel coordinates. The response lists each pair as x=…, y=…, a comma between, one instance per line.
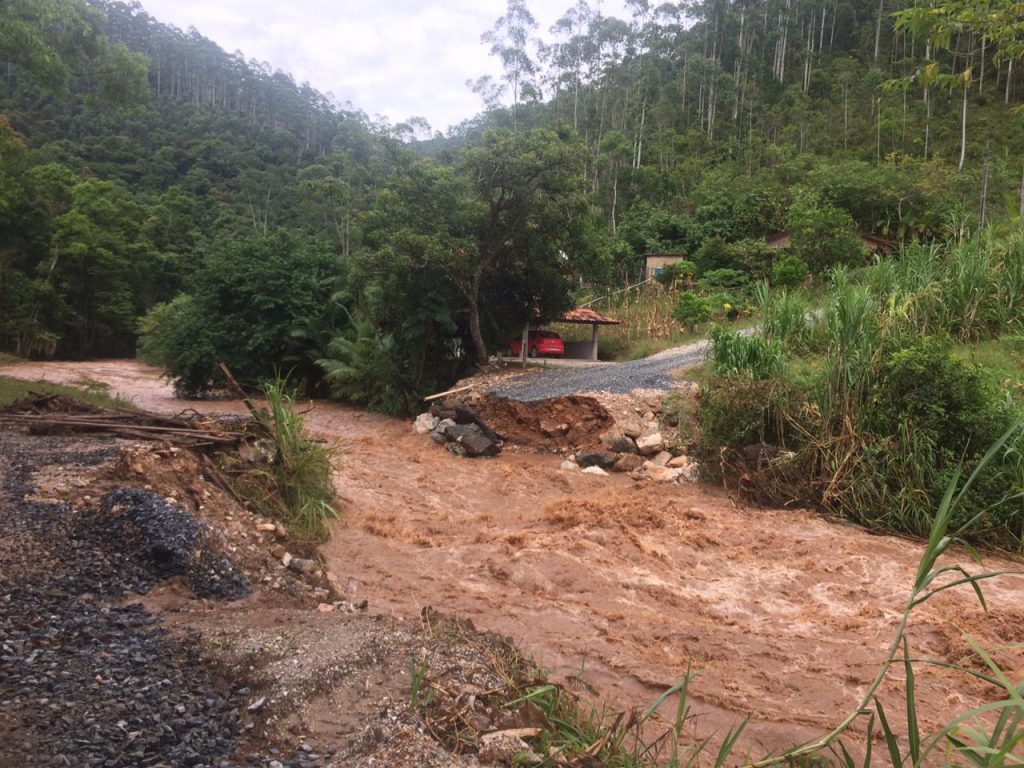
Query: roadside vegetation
x=869, y=406
x=295, y=487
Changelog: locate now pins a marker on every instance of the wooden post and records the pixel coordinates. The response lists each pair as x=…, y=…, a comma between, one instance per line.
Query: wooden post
x=593, y=342
x=522, y=346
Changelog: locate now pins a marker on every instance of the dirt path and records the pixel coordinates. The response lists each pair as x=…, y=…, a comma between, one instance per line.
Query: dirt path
x=785, y=615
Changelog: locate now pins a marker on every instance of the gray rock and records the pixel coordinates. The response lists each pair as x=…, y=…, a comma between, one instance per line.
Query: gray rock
x=603, y=459
x=595, y=470
x=648, y=445
x=662, y=458
x=470, y=440
x=425, y=423
x=663, y=474
x=439, y=433
x=302, y=565
x=628, y=462
x=619, y=442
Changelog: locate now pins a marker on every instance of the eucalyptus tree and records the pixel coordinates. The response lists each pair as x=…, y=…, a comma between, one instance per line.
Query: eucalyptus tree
x=510, y=40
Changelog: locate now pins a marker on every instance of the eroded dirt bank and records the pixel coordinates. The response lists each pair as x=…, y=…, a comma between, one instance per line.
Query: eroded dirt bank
x=785, y=615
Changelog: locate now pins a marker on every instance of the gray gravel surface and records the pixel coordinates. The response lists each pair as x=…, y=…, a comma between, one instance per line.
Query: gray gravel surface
x=654, y=372
x=87, y=680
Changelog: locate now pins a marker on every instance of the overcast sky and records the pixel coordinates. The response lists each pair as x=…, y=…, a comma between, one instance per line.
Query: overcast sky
x=395, y=58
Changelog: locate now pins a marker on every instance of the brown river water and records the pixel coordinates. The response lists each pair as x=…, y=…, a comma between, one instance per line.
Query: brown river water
x=783, y=615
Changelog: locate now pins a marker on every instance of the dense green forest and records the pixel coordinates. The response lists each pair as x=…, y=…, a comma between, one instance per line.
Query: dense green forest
x=151, y=182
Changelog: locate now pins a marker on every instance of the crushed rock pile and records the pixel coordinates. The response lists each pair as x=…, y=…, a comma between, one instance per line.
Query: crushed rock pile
x=163, y=537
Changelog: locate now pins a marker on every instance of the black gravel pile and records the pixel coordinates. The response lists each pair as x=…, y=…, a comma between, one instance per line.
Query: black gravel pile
x=168, y=541
x=85, y=680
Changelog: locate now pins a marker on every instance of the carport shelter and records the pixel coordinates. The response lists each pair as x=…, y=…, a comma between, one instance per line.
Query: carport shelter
x=585, y=316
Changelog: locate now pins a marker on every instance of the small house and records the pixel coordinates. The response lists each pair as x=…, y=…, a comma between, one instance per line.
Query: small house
x=654, y=263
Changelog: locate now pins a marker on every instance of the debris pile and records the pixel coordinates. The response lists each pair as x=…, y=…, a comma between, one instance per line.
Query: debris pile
x=453, y=424
x=642, y=443
x=48, y=414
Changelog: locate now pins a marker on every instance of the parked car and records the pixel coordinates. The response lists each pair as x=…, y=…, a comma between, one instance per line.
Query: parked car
x=538, y=343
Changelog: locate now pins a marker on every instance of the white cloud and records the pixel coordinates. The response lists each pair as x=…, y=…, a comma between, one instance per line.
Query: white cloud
x=395, y=58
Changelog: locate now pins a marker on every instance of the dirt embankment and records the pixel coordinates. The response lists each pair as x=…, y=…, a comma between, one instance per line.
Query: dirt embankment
x=784, y=615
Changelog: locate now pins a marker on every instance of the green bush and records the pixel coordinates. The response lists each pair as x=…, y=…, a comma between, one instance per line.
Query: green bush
x=674, y=273
x=935, y=394
x=692, y=309
x=715, y=253
x=724, y=278
x=789, y=271
x=250, y=306
x=363, y=365
x=297, y=487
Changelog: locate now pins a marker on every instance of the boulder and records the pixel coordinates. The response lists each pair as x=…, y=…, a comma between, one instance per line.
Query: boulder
x=690, y=474
x=679, y=462
x=460, y=414
x=569, y=466
x=595, y=470
x=663, y=474
x=470, y=440
x=439, y=433
x=662, y=458
x=648, y=445
x=627, y=462
x=603, y=459
x=631, y=428
x=425, y=422
x=619, y=442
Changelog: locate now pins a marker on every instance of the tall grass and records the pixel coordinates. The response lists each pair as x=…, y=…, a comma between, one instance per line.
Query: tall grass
x=296, y=487
x=878, y=418
x=737, y=354
x=785, y=317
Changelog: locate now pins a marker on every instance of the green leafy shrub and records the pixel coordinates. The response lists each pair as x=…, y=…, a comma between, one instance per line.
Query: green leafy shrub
x=692, y=309
x=250, y=306
x=789, y=271
x=724, y=278
x=933, y=393
x=364, y=366
x=715, y=253
x=822, y=234
x=671, y=274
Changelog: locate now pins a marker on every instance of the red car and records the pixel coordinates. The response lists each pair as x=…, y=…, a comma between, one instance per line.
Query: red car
x=538, y=343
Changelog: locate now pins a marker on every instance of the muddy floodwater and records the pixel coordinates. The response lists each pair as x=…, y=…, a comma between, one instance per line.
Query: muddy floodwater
x=785, y=616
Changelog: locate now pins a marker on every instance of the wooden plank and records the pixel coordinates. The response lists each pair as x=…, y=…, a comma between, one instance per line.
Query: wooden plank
x=447, y=392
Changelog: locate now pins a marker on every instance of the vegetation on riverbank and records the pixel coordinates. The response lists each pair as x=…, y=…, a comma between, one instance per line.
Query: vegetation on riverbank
x=867, y=409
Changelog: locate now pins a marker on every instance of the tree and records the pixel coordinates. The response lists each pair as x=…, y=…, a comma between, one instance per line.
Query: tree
x=509, y=40
x=56, y=40
x=103, y=269
x=249, y=307
x=822, y=234
x=529, y=213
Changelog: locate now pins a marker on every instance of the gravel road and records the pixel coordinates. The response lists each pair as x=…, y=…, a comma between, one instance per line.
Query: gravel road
x=654, y=372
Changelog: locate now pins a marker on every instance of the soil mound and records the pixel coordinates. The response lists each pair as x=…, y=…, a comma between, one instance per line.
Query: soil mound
x=555, y=424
